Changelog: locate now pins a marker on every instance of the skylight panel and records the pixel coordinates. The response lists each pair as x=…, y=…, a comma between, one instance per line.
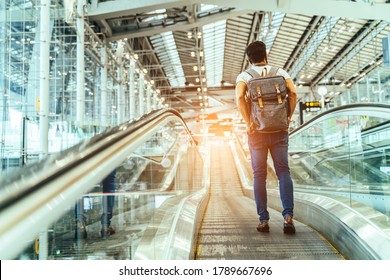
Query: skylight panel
x=169, y=58
x=269, y=34
x=214, y=39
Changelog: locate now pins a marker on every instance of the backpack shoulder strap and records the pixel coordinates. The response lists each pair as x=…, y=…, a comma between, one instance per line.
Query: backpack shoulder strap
x=253, y=73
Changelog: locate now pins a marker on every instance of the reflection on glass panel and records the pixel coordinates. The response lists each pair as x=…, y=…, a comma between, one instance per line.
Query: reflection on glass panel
x=344, y=156
x=111, y=220
x=107, y=102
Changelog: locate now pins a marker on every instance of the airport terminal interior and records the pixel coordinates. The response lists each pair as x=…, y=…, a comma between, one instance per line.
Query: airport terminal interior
x=141, y=94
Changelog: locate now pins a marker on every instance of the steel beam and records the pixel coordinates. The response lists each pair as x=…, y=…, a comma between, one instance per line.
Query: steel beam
x=338, y=8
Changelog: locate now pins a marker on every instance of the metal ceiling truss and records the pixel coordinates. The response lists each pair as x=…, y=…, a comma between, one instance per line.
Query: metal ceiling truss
x=329, y=48
x=356, y=45
x=304, y=41
x=257, y=20
x=321, y=34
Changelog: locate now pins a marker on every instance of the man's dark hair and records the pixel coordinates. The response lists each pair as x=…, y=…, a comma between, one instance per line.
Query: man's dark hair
x=256, y=52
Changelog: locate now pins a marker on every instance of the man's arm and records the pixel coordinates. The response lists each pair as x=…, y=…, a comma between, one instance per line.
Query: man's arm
x=292, y=96
x=241, y=88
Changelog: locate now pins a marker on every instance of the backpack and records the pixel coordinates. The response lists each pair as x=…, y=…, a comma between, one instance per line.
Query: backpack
x=269, y=106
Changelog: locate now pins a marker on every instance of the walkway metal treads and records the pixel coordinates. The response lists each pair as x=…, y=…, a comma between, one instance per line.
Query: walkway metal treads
x=228, y=231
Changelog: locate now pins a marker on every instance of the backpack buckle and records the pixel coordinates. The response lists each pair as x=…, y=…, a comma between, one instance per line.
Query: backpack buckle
x=277, y=88
x=259, y=99
x=278, y=93
x=258, y=92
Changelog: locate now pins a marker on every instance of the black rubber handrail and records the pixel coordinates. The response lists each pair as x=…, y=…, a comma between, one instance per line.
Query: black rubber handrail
x=338, y=109
x=14, y=188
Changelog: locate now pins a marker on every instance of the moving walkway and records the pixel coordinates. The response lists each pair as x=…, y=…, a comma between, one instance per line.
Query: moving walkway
x=177, y=200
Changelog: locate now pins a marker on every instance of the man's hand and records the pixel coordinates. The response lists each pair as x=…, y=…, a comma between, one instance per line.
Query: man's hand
x=250, y=128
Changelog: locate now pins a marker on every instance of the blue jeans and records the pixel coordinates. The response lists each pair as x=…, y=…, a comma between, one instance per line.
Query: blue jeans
x=108, y=200
x=277, y=144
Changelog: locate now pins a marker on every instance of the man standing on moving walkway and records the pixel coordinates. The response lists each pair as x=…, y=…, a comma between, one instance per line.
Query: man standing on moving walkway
x=262, y=142
x=108, y=185
x=108, y=204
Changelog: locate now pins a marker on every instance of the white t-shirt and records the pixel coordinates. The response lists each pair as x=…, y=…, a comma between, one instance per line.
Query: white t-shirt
x=245, y=77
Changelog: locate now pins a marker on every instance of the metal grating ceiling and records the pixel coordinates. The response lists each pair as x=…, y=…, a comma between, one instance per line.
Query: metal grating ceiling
x=164, y=46
x=236, y=40
x=315, y=50
x=287, y=38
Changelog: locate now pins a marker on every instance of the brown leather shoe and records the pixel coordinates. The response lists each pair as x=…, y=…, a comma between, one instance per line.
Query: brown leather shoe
x=107, y=231
x=263, y=227
x=288, y=225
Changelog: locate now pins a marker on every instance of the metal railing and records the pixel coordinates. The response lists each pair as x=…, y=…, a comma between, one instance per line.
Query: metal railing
x=38, y=202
